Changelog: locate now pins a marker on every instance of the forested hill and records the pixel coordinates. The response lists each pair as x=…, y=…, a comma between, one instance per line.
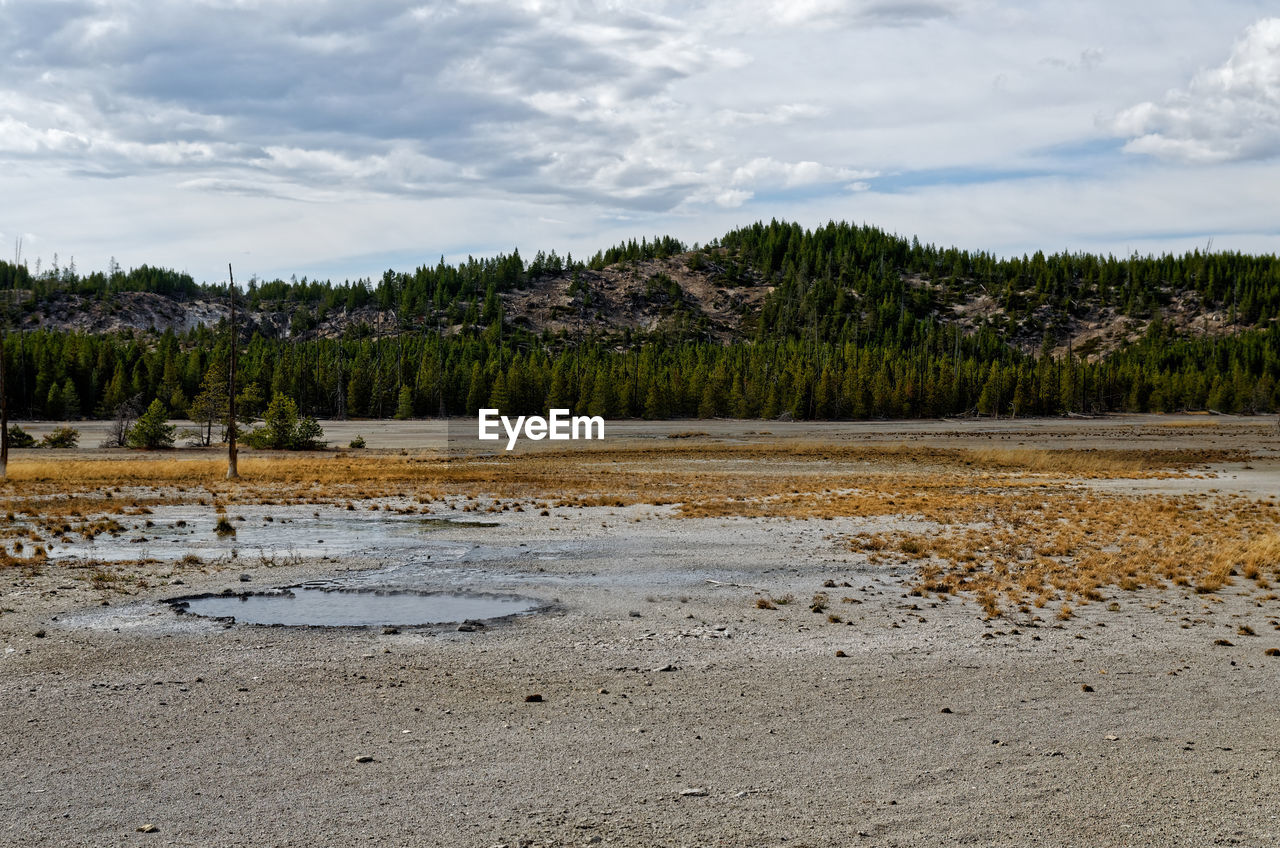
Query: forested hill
x=842, y=321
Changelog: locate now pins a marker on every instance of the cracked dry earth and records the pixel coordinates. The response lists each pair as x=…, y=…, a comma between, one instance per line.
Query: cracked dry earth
x=673, y=710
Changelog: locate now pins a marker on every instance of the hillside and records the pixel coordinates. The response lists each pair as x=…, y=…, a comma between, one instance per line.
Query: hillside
x=838, y=322
x=648, y=296
x=685, y=295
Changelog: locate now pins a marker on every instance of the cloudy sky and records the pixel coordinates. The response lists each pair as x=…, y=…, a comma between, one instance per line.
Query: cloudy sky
x=338, y=139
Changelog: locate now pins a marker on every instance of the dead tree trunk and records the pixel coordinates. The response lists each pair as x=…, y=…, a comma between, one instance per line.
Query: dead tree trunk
x=233, y=470
x=4, y=415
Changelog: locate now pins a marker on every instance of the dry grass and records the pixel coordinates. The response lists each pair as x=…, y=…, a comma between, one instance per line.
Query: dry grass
x=1005, y=526
x=1072, y=548
x=341, y=468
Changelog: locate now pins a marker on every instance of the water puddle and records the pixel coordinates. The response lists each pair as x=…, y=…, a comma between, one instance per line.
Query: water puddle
x=321, y=607
x=449, y=523
x=274, y=535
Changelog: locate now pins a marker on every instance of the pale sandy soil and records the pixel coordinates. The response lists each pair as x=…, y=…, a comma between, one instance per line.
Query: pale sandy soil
x=937, y=728
x=1141, y=431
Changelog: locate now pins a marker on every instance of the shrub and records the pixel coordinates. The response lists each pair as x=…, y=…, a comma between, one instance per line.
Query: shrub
x=307, y=435
x=279, y=423
x=19, y=438
x=282, y=429
x=125, y=414
x=63, y=437
x=152, y=430
x=358, y=442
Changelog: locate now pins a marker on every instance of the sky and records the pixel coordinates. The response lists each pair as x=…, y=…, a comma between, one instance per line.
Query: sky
x=339, y=139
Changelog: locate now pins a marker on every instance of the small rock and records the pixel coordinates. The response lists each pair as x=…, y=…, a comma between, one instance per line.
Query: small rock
x=841, y=654
x=667, y=667
x=364, y=758
x=634, y=614
x=1085, y=687
x=466, y=628
x=1111, y=737
x=390, y=631
x=244, y=578
x=694, y=792
x=148, y=828
x=535, y=698
x=945, y=711
x=39, y=634
x=1226, y=643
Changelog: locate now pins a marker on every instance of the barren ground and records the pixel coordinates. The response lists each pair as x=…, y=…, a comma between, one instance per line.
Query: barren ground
x=677, y=710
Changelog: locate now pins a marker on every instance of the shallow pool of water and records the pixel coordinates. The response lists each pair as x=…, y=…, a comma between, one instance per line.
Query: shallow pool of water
x=273, y=534
x=344, y=608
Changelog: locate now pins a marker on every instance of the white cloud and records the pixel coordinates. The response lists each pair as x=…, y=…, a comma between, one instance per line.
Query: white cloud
x=767, y=171
x=473, y=125
x=1228, y=113
x=835, y=13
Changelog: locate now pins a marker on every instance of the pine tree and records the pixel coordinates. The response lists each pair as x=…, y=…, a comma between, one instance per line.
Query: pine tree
x=559, y=396
x=116, y=392
x=210, y=405
x=655, y=406
x=70, y=401
x=404, y=404
x=603, y=400
x=499, y=397
x=152, y=431
x=279, y=425
x=53, y=405
x=477, y=390
x=177, y=402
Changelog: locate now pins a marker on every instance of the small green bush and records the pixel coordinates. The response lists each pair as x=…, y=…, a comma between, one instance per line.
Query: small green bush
x=308, y=435
x=358, y=442
x=19, y=438
x=63, y=437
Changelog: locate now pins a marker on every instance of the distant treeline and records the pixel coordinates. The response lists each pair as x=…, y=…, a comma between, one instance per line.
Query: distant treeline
x=63, y=375
x=858, y=324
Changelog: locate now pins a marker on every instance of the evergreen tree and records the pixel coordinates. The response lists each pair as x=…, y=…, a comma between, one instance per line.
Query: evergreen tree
x=560, y=396
x=279, y=425
x=499, y=397
x=603, y=400
x=152, y=430
x=308, y=435
x=53, y=405
x=404, y=403
x=655, y=406
x=477, y=392
x=210, y=405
